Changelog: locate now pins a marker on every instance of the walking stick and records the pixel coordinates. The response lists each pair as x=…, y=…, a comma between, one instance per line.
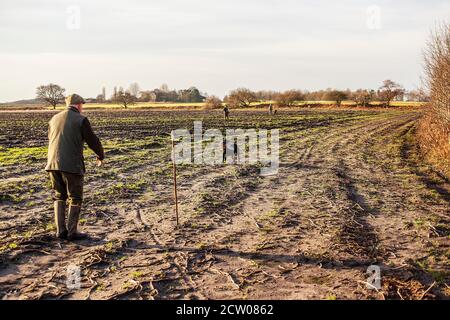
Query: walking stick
x=175, y=179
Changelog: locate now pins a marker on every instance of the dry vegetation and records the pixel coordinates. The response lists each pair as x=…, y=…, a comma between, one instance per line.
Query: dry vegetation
x=434, y=128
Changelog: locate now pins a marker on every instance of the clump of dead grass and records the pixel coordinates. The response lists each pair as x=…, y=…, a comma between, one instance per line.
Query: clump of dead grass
x=434, y=143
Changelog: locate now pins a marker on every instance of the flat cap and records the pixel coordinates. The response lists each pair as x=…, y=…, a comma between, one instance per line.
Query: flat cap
x=74, y=99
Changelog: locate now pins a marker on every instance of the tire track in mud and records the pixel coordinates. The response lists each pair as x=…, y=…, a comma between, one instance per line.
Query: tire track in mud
x=239, y=229
x=386, y=221
x=325, y=144
x=359, y=228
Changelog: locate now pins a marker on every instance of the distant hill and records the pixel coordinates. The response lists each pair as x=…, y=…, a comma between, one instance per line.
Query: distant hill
x=21, y=102
x=25, y=104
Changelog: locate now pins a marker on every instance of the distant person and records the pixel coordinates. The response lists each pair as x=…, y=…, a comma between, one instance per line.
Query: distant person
x=270, y=109
x=68, y=130
x=226, y=112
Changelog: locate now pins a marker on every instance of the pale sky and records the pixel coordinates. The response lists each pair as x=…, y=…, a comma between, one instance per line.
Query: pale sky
x=215, y=45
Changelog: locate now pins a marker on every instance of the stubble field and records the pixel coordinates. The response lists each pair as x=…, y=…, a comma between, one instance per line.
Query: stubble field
x=350, y=193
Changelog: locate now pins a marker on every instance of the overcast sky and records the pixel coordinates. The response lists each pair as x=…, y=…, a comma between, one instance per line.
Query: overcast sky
x=215, y=45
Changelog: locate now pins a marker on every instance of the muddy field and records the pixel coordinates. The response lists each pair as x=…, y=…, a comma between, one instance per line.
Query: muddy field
x=350, y=193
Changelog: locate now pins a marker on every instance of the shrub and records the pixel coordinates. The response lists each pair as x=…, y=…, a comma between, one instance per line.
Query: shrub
x=289, y=98
x=434, y=144
x=433, y=131
x=213, y=102
x=240, y=98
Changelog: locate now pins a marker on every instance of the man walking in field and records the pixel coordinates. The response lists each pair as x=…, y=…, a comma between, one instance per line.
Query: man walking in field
x=68, y=130
x=226, y=112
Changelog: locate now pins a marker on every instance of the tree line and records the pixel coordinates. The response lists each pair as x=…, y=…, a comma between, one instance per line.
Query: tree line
x=388, y=91
x=242, y=97
x=53, y=94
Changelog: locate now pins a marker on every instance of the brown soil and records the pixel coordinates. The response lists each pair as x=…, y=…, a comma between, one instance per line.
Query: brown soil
x=350, y=193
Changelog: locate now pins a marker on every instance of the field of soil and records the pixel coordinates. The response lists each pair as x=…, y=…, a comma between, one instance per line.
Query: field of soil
x=351, y=192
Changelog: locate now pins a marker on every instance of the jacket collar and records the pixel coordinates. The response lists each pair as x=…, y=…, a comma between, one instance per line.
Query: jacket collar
x=73, y=109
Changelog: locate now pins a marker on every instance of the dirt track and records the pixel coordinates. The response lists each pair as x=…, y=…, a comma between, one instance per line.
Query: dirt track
x=350, y=193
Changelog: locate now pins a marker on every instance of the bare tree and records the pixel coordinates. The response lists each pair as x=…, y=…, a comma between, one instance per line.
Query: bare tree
x=266, y=95
x=164, y=87
x=134, y=89
x=289, y=98
x=51, y=94
x=418, y=95
x=437, y=71
x=213, y=102
x=240, y=98
x=100, y=98
x=389, y=91
x=363, y=97
x=114, y=95
x=336, y=95
x=124, y=98
x=147, y=96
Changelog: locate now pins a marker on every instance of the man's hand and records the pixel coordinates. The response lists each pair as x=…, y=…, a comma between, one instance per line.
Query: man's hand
x=99, y=163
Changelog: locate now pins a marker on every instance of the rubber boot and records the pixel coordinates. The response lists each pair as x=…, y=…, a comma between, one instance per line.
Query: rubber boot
x=60, y=219
x=72, y=224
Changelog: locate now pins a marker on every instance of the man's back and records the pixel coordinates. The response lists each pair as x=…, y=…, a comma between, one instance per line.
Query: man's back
x=65, y=150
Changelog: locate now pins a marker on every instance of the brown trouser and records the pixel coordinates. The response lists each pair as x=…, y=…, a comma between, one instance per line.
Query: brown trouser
x=67, y=186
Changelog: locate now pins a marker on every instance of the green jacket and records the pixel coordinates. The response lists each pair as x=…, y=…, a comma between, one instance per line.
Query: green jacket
x=67, y=132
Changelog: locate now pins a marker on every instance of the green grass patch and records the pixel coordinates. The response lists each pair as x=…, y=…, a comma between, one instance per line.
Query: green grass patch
x=12, y=156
